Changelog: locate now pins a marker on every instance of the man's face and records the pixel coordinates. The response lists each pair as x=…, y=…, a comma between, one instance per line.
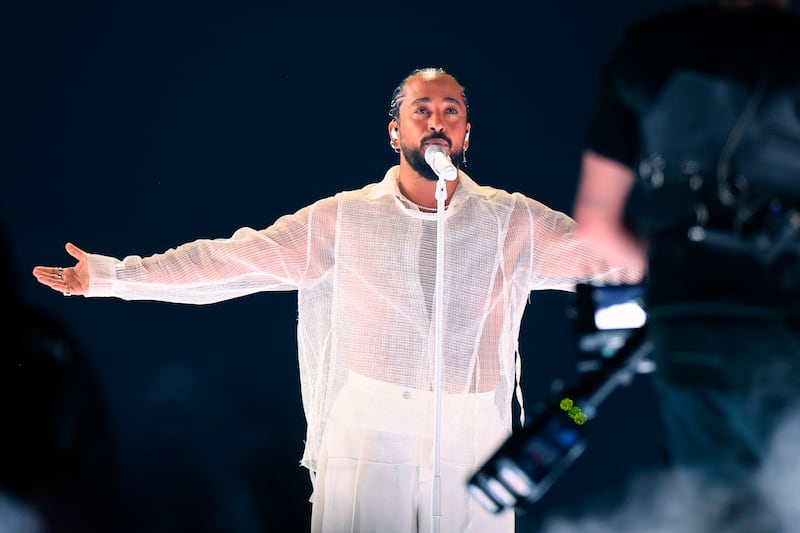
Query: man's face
x=432, y=112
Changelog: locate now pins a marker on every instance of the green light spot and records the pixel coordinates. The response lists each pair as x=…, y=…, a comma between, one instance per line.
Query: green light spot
x=566, y=404
x=581, y=418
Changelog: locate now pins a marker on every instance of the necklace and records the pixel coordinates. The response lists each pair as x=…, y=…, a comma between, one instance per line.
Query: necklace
x=422, y=208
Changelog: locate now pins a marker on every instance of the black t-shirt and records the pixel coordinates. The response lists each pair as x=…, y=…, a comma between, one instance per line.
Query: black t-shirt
x=710, y=99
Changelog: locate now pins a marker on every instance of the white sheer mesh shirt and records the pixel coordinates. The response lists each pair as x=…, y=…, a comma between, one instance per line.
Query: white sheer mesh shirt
x=363, y=264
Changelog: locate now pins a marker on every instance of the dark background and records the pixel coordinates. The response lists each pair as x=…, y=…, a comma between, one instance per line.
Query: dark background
x=130, y=129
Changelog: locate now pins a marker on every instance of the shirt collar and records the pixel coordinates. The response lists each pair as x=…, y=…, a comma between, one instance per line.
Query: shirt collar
x=466, y=187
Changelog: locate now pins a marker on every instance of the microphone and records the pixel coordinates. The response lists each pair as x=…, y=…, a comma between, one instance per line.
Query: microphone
x=440, y=162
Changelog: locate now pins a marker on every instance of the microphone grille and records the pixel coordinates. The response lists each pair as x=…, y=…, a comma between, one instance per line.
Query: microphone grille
x=431, y=151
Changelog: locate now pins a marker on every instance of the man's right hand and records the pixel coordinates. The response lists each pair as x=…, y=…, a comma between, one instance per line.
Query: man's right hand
x=69, y=281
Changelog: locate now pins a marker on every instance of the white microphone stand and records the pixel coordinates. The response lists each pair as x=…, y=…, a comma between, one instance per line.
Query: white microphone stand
x=436, y=512
x=438, y=160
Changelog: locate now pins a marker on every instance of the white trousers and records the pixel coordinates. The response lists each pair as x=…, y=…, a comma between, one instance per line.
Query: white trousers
x=376, y=467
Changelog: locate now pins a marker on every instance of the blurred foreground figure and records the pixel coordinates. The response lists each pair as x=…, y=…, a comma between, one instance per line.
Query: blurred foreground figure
x=56, y=462
x=692, y=170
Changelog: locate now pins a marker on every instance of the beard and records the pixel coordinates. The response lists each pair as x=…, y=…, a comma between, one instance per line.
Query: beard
x=417, y=161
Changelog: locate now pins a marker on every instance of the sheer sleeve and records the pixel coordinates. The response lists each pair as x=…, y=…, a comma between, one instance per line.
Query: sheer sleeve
x=295, y=250
x=561, y=260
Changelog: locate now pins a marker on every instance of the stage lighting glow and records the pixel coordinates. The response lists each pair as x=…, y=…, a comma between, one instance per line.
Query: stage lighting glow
x=628, y=315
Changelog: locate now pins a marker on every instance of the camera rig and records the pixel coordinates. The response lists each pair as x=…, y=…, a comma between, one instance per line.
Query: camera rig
x=610, y=322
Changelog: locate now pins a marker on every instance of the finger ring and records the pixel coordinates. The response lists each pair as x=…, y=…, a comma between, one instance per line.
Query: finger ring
x=60, y=273
x=69, y=291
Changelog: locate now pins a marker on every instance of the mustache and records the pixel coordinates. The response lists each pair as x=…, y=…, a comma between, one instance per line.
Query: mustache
x=441, y=136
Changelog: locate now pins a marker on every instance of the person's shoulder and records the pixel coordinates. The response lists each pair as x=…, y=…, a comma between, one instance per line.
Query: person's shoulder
x=666, y=23
x=534, y=205
x=349, y=194
x=514, y=199
x=366, y=192
x=788, y=24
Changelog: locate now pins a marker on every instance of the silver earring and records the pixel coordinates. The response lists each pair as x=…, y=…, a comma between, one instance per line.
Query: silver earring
x=394, y=147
